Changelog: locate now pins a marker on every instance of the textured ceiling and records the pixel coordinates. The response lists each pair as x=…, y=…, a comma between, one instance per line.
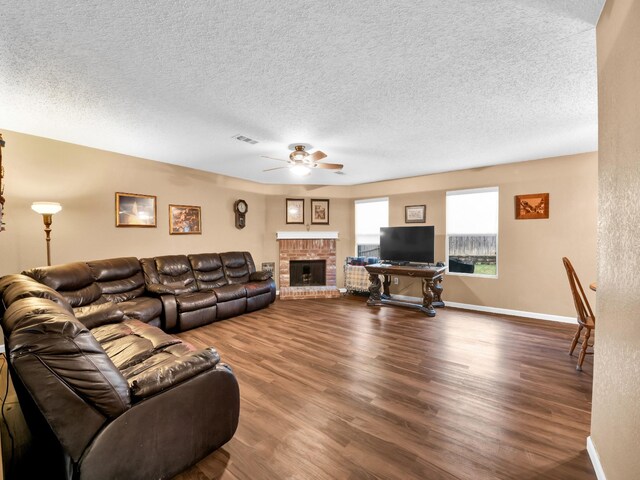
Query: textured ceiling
x=389, y=89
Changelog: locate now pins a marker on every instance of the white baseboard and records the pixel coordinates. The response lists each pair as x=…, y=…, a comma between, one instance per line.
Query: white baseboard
x=500, y=311
x=595, y=459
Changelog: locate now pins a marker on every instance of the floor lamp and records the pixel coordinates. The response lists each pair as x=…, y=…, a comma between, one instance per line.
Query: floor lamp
x=47, y=210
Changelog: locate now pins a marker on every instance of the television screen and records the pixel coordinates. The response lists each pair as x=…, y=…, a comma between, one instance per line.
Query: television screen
x=407, y=244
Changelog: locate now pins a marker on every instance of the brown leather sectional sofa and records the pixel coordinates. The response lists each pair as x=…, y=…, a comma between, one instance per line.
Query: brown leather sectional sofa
x=106, y=392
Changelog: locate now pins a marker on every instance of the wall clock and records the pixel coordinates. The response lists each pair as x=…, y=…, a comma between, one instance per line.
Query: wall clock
x=241, y=208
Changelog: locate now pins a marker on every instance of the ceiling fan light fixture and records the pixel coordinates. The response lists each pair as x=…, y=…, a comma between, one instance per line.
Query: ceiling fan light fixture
x=300, y=170
x=299, y=153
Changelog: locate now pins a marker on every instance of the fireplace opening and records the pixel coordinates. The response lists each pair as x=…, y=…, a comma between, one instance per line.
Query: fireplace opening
x=307, y=273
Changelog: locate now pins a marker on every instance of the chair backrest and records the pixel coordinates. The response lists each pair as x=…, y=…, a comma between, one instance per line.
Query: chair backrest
x=119, y=279
x=208, y=270
x=170, y=270
x=72, y=280
x=583, y=309
x=237, y=266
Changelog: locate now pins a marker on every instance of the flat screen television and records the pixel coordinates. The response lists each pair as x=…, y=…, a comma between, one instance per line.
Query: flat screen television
x=407, y=244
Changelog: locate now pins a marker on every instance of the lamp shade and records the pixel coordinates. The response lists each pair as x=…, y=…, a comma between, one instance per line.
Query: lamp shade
x=46, y=207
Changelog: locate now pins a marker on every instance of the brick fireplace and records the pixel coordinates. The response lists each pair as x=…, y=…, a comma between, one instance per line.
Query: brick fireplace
x=307, y=247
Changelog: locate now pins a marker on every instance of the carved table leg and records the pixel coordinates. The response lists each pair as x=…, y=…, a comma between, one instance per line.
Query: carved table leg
x=385, y=286
x=437, y=292
x=427, y=297
x=374, y=290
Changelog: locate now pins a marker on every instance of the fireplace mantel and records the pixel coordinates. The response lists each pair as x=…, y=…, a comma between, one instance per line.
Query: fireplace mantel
x=306, y=235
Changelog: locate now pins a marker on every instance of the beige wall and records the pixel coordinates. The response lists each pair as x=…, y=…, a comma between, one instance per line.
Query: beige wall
x=531, y=277
x=84, y=180
x=615, y=421
x=340, y=218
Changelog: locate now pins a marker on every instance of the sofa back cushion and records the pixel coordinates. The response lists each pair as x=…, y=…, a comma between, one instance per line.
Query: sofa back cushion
x=174, y=271
x=208, y=271
x=68, y=376
x=72, y=280
x=237, y=266
x=41, y=327
x=15, y=287
x=119, y=279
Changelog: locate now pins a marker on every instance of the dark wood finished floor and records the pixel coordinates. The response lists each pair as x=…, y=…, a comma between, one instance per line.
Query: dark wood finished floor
x=332, y=389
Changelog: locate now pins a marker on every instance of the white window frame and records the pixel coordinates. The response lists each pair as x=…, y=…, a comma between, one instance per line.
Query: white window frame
x=355, y=219
x=497, y=233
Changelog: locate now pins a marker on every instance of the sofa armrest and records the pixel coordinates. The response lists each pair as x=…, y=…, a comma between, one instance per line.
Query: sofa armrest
x=179, y=425
x=260, y=276
x=160, y=289
x=169, y=318
x=165, y=375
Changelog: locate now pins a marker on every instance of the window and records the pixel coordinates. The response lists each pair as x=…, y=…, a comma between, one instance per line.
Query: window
x=371, y=215
x=472, y=231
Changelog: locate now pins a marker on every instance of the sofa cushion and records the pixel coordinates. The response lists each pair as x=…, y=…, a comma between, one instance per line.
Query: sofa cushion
x=166, y=369
x=188, y=302
x=131, y=342
x=27, y=311
x=236, y=267
x=142, y=308
x=64, y=348
x=207, y=268
x=175, y=271
x=93, y=316
x=22, y=286
x=73, y=280
x=230, y=292
x=119, y=279
x=150, y=359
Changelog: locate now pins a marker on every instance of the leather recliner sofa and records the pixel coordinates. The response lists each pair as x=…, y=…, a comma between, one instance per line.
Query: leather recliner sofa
x=174, y=292
x=198, y=289
x=107, y=395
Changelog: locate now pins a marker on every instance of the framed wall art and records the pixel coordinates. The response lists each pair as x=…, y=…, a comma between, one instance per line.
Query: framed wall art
x=295, y=211
x=269, y=267
x=184, y=220
x=532, y=206
x=415, y=214
x=135, y=210
x=319, y=211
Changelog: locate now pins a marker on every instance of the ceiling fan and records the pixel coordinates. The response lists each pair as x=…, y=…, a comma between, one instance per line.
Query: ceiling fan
x=301, y=162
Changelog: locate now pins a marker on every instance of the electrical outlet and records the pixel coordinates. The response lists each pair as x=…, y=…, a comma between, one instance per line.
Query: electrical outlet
x=395, y=280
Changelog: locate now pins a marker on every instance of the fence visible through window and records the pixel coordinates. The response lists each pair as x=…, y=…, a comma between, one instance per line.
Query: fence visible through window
x=479, y=251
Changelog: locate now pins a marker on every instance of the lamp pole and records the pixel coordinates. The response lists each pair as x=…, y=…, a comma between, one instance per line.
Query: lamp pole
x=48, y=217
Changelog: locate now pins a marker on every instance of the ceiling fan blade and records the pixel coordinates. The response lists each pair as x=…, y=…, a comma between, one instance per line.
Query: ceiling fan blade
x=273, y=158
x=330, y=166
x=316, y=156
x=276, y=168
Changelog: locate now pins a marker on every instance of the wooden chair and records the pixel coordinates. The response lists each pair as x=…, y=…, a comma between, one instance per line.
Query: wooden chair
x=586, y=318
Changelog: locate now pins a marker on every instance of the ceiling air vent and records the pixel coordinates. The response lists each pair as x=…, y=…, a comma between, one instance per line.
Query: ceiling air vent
x=242, y=138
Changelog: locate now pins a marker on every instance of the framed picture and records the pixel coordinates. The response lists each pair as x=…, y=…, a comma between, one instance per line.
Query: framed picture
x=319, y=211
x=295, y=210
x=415, y=214
x=184, y=220
x=269, y=267
x=135, y=210
x=534, y=205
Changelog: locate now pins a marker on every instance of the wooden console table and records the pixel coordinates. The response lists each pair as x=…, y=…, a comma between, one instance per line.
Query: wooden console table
x=431, y=285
